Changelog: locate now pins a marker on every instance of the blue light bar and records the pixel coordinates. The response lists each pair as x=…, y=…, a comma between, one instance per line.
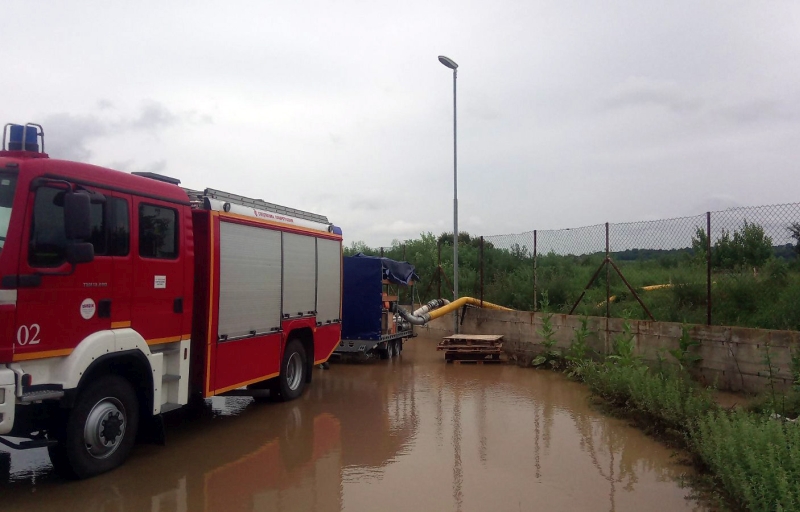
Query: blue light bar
x=17, y=133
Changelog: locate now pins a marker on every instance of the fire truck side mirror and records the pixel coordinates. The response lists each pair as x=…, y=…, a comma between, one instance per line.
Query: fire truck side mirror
x=77, y=216
x=80, y=253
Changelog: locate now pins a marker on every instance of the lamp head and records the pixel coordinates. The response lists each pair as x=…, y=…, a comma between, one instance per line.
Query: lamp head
x=448, y=62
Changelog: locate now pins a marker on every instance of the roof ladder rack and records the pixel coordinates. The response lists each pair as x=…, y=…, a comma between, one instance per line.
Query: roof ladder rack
x=258, y=204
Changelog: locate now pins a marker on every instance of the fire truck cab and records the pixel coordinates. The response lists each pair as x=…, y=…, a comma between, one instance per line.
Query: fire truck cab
x=121, y=295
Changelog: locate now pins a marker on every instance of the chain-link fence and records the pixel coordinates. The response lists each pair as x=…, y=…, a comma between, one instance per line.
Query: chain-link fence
x=733, y=267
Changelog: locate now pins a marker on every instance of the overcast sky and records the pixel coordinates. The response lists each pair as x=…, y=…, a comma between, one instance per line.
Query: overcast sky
x=569, y=112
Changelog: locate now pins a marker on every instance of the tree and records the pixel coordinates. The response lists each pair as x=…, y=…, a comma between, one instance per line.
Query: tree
x=794, y=230
x=750, y=247
x=700, y=245
x=754, y=245
x=357, y=247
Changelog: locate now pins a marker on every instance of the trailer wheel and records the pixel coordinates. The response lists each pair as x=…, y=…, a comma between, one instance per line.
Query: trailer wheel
x=292, y=379
x=99, y=432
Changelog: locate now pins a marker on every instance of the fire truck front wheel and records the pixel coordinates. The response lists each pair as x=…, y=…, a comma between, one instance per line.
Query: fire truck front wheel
x=292, y=378
x=99, y=432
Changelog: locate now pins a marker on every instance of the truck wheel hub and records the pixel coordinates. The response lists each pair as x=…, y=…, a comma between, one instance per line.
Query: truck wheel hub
x=105, y=428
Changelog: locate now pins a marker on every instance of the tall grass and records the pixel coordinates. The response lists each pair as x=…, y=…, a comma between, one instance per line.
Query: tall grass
x=667, y=397
x=755, y=458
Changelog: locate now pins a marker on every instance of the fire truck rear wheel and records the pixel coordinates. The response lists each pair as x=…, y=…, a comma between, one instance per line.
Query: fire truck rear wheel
x=292, y=379
x=99, y=432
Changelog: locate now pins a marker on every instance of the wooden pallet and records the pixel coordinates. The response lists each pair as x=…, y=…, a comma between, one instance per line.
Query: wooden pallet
x=477, y=361
x=459, y=341
x=472, y=339
x=472, y=348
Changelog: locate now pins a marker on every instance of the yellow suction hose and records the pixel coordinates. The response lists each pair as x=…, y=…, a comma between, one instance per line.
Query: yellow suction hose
x=425, y=317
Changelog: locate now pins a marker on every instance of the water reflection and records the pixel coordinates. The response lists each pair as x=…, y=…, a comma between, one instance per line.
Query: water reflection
x=275, y=458
x=408, y=434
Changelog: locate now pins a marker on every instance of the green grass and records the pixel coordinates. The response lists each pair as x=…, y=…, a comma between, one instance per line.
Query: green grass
x=756, y=459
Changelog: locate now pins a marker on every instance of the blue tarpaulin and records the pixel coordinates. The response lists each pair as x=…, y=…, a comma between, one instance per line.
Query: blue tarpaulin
x=362, y=289
x=397, y=272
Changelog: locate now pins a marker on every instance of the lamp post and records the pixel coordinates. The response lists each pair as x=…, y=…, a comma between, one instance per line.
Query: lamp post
x=452, y=65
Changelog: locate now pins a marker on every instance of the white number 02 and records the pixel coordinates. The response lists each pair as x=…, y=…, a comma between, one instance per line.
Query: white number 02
x=28, y=335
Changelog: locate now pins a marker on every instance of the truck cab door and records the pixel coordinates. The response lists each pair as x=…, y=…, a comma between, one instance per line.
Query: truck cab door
x=58, y=305
x=159, y=258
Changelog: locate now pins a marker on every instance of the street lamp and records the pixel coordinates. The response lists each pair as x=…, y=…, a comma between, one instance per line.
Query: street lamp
x=452, y=65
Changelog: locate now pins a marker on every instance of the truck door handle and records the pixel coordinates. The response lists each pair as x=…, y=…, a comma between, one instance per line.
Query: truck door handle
x=177, y=305
x=104, y=308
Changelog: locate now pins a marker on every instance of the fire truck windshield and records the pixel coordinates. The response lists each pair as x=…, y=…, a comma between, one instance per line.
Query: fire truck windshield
x=8, y=184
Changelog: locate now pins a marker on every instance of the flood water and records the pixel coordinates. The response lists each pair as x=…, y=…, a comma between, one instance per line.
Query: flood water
x=412, y=433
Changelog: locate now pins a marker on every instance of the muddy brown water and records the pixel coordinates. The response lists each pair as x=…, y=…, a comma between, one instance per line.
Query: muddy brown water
x=412, y=433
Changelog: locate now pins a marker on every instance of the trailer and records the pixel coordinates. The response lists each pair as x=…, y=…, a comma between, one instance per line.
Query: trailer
x=370, y=325
x=123, y=296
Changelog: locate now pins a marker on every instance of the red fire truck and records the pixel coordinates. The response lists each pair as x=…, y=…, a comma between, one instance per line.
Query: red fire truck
x=123, y=295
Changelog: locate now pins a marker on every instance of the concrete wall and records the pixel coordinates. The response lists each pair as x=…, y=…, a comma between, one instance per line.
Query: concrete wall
x=733, y=357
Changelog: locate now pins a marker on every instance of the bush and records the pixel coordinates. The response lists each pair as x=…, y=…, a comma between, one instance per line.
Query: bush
x=669, y=397
x=756, y=459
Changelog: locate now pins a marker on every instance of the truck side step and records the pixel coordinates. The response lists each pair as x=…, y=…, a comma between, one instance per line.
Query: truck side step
x=170, y=377
x=27, y=445
x=166, y=407
x=46, y=394
x=167, y=352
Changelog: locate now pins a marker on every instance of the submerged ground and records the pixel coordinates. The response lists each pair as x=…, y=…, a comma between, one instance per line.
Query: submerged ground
x=412, y=433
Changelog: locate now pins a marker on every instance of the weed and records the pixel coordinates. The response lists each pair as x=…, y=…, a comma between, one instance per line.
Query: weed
x=550, y=355
x=668, y=398
x=757, y=460
x=684, y=354
x=624, y=346
x=577, y=352
x=772, y=370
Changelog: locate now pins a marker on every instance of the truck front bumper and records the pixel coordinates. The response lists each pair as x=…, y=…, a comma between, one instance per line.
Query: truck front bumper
x=8, y=400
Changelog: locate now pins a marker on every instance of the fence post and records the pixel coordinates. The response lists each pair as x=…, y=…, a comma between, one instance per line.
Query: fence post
x=608, y=277
x=535, y=272
x=482, y=263
x=708, y=266
x=381, y=252
x=439, y=269
x=402, y=289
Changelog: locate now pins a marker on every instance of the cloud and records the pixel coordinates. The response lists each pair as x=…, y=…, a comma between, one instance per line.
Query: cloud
x=72, y=135
x=153, y=116
x=755, y=110
x=718, y=202
x=68, y=135
x=368, y=203
x=642, y=91
x=156, y=167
